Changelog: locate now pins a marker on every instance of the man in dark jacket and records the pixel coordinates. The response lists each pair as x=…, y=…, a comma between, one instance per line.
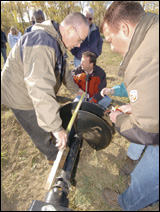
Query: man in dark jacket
x=93, y=41
x=3, y=45
x=92, y=79
x=135, y=34
x=38, y=17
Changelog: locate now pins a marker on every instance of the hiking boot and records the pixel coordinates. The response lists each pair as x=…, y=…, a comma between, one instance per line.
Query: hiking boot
x=50, y=162
x=111, y=197
x=128, y=167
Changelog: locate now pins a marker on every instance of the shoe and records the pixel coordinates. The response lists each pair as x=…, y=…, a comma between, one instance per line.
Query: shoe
x=128, y=167
x=111, y=197
x=50, y=162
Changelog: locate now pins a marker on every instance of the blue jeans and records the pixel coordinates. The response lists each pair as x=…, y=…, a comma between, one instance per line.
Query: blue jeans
x=104, y=102
x=144, y=187
x=77, y=62
x=3, y=51
x=135, y=151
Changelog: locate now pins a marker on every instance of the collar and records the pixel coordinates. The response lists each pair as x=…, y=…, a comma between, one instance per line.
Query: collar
x=89, y=72
x=56, y=26
x=92, y=27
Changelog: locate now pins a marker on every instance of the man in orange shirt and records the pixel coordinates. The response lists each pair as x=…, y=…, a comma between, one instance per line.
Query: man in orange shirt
x=92, y=79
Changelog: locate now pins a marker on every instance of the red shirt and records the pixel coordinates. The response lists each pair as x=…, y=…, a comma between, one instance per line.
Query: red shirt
x=97, y=81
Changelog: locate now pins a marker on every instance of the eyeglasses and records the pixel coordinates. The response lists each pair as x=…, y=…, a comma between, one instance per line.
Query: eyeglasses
x=80, y=40
x=90, y=19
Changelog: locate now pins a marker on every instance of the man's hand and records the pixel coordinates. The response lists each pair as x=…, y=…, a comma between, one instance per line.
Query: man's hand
x=107, y=91
x=125, y=108
x=61, y=137
x=113, y=116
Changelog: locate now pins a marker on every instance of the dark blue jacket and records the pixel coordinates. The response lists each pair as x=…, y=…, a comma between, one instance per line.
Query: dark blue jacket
x=92, y=43
x=3, y=40
x=28, y=29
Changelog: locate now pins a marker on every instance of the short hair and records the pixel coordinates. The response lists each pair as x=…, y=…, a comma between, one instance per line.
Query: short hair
x=88, y=10
x=38, y=11
x=118, y=11
x=75, y=19
x=91, y=55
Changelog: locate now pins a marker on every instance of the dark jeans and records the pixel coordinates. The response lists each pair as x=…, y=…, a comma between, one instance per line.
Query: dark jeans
x=3, y=51
x=42, y=139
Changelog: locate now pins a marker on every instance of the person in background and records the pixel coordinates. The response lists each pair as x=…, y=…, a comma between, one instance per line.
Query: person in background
x=93, y=41
x=38, y=17
x=95, y=77
x=13, y=36
x=3, y=45
x=135, y=151
x=28, y=29
x=135, y=35
x=34, y=72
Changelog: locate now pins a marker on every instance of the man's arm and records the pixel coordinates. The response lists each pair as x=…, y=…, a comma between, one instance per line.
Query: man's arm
x=117, y=90
x=40, y=80
x=69, y=82
x=39, y=64
x=142, y=125
x=120, y=90
x=102, y=84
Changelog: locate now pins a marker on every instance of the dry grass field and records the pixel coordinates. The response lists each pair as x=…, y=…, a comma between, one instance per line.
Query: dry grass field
x=24, y=170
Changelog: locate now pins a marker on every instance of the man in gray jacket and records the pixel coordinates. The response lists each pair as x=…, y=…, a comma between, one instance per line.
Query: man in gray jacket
x=35, y=69
x=135, y=34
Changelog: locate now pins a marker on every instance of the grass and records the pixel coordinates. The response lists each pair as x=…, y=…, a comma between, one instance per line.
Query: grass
x=3, y=157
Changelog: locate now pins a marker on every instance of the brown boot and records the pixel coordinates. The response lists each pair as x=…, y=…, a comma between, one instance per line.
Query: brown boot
x=111, y=197
x=128, y=167
x=61, y=164
x=50, y=162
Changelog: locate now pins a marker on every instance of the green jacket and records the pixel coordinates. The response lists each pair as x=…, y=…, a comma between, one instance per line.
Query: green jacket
x=140, y=69
x=35, y=69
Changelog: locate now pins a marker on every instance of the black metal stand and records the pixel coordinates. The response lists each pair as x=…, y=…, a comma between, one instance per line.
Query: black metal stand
x=56, y=199
x=87, y=80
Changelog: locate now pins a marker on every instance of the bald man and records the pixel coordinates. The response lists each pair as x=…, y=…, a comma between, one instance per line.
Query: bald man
x=33, y=74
